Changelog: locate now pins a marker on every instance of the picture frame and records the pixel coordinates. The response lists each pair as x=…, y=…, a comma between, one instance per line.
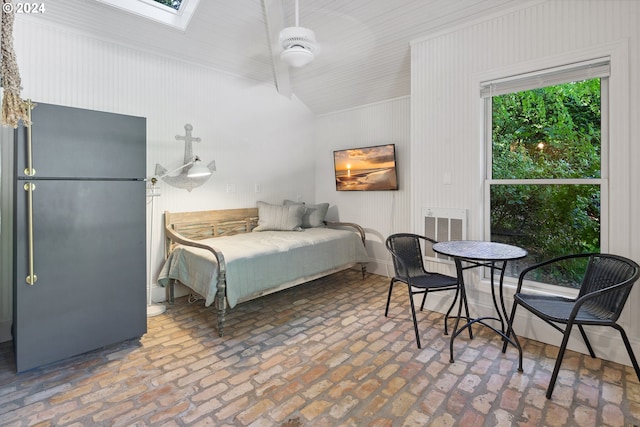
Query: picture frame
x=366, y=169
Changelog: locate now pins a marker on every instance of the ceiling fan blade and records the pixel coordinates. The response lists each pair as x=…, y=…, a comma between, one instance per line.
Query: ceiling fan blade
x=342, y=38
x=274, y=18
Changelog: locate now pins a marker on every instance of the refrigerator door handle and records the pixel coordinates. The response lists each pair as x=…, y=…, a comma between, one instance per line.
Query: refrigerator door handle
x=29, y=171
x=29, y=187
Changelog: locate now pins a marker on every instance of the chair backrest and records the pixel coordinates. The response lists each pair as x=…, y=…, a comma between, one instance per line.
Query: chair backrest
x=406, y=252
x=606, y=271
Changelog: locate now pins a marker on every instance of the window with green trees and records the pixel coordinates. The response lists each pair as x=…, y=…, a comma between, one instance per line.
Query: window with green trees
x=545, y=178
x=174, y=4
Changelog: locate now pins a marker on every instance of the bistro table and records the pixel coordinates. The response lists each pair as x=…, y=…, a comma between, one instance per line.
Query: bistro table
x=474, y=254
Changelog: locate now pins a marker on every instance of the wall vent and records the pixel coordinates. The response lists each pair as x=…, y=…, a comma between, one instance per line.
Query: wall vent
x=444, y=224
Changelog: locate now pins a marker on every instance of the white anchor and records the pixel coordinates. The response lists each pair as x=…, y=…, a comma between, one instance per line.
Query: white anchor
x=182, y=180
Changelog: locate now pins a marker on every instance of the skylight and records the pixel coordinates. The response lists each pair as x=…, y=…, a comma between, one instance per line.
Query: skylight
x=175, y=13
x=174, y=4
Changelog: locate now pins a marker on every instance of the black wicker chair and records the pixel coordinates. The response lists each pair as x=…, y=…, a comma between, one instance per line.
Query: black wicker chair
x=605, y=286
x=409, y=268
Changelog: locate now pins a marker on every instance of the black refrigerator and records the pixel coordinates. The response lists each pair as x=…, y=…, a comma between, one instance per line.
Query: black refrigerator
x=79, y=276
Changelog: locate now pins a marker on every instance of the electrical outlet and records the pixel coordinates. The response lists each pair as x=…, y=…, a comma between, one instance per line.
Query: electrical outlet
x=258, y=188
x=231, y=188
x=299, y=198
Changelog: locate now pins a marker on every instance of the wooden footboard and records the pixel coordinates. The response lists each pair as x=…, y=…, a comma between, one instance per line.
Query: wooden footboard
x=187, y=228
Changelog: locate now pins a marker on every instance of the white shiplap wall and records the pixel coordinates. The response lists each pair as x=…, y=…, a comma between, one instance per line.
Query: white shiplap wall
x=446, y=127
x=255, y=135
x=379, y=212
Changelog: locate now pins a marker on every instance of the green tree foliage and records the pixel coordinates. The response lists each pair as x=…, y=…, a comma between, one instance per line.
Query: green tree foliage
x=547, y=133
x=174, y=4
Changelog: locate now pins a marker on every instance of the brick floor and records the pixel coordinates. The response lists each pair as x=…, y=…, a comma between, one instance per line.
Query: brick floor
x=321, y=354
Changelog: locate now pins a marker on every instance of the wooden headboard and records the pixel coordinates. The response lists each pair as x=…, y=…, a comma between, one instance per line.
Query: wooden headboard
x=204, y=224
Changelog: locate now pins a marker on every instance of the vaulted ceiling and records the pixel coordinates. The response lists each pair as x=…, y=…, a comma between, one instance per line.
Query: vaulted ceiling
x=364, y=54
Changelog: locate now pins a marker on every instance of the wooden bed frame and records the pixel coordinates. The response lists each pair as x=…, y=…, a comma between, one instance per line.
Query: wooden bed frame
x=187, y=228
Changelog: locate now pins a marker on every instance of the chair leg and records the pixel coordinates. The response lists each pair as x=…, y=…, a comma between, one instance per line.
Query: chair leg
x=586, y=341
x=510, y=332
x=556, y=368
x=632, y=356
x=386, y=310
x=424, y=299
x=413, y=314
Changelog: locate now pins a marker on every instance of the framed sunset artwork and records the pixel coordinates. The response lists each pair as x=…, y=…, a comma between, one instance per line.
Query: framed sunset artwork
x=366, y=169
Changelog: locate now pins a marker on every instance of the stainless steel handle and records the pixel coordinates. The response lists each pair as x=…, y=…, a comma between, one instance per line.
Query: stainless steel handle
x=29, y=187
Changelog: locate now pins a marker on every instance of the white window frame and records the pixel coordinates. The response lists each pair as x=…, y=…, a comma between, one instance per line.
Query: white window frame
x=158, y=12
x=595, y=68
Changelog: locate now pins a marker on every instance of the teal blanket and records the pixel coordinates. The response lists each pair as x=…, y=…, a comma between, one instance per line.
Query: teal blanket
x=259, y=261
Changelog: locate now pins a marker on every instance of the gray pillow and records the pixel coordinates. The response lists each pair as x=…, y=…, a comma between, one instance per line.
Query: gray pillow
x=279, y=217
x=314, y=215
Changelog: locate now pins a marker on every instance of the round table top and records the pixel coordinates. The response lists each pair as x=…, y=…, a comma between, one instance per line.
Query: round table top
x=479, y=250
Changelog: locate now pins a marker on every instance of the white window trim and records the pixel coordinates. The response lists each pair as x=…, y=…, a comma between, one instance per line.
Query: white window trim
x=619, y=162
x=157, y=12
x=583, y=70
x=595, y=68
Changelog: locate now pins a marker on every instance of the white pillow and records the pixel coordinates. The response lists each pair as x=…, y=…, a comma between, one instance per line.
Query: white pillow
x=314, y=215
x=279, y=217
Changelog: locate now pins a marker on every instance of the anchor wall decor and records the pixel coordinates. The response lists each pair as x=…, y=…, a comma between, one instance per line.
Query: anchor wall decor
x=183, y=180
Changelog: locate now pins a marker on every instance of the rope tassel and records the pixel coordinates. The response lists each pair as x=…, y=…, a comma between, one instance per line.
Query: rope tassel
x=13, y=108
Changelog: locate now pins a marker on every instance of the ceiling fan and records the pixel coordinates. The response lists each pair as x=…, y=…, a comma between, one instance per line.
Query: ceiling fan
x=295, y=47
x=298, y=43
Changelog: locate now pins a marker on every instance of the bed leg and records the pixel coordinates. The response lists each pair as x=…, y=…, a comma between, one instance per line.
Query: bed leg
x=221, y=297
x=363, y=267
x=171, y=291
x=221, y=315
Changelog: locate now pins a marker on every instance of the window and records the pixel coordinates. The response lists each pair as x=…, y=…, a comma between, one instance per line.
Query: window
x=174, y=4
x=546, y=186
x=175, y=13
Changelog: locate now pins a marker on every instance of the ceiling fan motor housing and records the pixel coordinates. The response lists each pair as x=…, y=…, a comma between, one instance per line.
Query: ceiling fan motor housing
x=298, y=44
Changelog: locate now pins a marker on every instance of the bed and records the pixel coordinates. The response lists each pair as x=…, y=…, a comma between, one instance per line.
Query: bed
x=231, y=256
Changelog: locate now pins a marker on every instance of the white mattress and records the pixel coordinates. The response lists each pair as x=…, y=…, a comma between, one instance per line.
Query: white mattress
x=259, y=261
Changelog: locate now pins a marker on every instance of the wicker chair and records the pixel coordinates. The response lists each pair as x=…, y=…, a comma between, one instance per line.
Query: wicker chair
x=605, y=286
x=406, y=251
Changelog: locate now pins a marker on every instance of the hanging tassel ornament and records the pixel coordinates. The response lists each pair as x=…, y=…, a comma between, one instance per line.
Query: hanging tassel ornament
x=13, y=108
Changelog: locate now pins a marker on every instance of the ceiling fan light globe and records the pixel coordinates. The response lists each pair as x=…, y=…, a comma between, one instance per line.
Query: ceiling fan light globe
x=198, y=170
x=297, y=56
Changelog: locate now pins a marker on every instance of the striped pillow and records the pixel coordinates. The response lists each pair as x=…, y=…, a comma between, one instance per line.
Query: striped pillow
x=279, y=217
